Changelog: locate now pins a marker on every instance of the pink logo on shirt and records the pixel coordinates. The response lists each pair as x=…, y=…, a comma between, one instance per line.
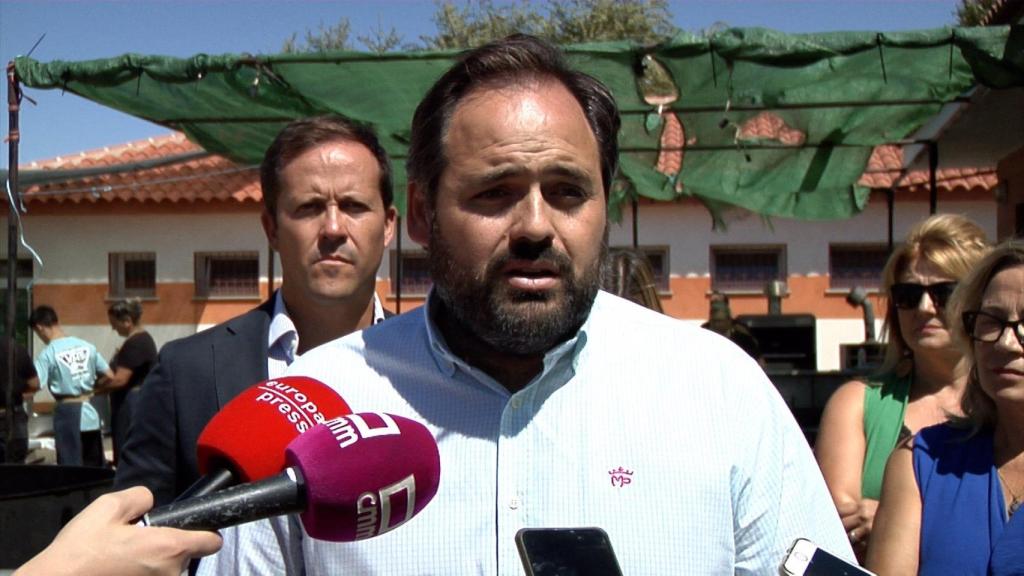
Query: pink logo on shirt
x=620, y=477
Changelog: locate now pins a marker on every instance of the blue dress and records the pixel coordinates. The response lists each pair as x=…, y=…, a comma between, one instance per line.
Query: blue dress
x=964, y=528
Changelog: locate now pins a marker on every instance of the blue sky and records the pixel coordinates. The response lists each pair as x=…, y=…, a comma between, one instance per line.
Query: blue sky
x=64, y=123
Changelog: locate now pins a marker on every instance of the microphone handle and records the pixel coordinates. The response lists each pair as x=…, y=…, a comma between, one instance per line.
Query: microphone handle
x=212, y=482
x=284, y=493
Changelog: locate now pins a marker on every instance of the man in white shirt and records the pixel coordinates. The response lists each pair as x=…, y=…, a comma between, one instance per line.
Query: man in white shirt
x=553, y=404
x=327, y=211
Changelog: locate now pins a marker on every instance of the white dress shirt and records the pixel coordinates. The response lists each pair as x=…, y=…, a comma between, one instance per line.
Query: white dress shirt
x=283, y=339
x=665, y=435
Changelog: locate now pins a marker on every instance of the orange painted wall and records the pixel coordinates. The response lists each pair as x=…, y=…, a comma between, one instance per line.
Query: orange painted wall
x=174, y=304
x=689, y=299
x=85, y=304
x=807, y=295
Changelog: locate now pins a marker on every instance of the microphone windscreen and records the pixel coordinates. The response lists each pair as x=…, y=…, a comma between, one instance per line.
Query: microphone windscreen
x=250, y=434
x=383, y=470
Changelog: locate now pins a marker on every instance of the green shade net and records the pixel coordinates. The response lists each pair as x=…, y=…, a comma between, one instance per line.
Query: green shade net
x=841, y=93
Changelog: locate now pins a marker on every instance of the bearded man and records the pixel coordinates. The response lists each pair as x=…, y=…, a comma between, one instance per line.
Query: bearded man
x=553, y=404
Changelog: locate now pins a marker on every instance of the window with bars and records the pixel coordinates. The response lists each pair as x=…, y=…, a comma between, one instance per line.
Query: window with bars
x=131, y=274
x=657, y=257
x=415, y=273
x=852, y=265
x=227, y=274
x=746, y=268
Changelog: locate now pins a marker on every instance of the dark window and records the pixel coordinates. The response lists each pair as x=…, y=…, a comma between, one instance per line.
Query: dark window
x=657, y=256
x=23, y=275
x=415, y=273
x=856, y=265
x=746, y=269
x=227, y=274
x=22, y=268
x=131, y=274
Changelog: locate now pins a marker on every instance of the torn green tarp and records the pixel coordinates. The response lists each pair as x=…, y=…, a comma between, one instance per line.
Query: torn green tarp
x=778, y=124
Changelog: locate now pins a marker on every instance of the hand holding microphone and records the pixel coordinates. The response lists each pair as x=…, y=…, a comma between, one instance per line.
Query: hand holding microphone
x=352, y=478
x=246, y=440
x=103, y=539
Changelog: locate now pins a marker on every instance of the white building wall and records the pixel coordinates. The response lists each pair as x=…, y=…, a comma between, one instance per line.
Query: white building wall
x=74, y=248
x=686, y=229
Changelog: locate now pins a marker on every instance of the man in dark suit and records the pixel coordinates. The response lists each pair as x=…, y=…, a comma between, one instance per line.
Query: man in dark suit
x=327, y=211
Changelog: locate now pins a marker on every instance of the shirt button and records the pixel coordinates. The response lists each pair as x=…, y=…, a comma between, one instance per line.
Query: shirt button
x=516, y=403
x=514, y=503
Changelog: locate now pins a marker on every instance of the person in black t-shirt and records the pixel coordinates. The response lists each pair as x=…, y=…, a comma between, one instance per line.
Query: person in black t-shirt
x=26, y=383
x=130, y=365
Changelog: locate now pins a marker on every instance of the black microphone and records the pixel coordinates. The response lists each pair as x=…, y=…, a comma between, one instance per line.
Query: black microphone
x=283, y=493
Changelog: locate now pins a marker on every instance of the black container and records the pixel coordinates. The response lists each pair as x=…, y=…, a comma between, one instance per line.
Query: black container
x=787, y=341
x=36, y=501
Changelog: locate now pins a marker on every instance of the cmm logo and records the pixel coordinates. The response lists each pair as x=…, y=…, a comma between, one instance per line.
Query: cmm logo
x=621, y=477
x=386, y=509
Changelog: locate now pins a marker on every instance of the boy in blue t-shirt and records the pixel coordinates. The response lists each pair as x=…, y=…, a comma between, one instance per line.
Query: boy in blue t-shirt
x=69, y=367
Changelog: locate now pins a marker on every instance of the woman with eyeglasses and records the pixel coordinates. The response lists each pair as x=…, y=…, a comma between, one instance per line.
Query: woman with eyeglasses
x=922, y=376
x=953, y=494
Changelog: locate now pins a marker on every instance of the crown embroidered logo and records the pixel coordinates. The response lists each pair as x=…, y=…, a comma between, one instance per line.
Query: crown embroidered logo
x=621, y=477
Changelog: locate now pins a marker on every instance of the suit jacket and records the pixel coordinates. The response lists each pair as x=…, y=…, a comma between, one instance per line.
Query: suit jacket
x=193, y=378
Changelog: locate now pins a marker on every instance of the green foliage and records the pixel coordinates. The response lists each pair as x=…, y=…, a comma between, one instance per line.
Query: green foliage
x=972, y=12
x=380, y=41
x=479, y=22
x=574, y=21
x=326, y=39
x=475, y=22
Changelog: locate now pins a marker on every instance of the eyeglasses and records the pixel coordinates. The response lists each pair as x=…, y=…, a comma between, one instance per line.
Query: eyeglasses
x=907, y=296
x=985, y=327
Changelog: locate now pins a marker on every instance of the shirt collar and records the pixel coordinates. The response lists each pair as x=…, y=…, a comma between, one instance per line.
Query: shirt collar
x=282, y=330
x=448, y=362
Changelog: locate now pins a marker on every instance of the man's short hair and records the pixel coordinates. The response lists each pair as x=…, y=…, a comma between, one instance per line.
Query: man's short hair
x=515, y=59
x=300, y=136
x=43, y=316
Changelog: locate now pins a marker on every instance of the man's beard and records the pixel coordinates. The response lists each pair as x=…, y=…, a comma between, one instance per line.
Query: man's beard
x=513, y=321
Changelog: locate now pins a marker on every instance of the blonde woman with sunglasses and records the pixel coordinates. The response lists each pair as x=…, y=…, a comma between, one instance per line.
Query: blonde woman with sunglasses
x=922, y=377
x=953, y=495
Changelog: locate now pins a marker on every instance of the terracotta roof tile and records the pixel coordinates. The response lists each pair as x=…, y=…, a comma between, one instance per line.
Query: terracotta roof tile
x=769, y=126
x=885, y=170
x=673, y=136
x=215, y=178
x=206, y=178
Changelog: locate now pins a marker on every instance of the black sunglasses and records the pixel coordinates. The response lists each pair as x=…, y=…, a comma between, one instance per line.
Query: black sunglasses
x=985, y=327
x=907, y=296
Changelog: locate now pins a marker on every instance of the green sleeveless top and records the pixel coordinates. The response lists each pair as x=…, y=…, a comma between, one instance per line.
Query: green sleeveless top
x=885, y=402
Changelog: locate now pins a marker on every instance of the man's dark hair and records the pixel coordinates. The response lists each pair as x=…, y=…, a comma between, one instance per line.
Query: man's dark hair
x=300, y=136
x=515, y=59
x=42, y=316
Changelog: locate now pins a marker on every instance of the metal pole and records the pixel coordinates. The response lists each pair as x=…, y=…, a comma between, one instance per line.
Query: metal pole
x=890, y=201
x=636, y=222
x=933, y=166
x=13, y=137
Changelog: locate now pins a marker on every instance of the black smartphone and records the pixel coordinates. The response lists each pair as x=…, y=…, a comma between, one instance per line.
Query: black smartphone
x=806, y=559
x=567, y=552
